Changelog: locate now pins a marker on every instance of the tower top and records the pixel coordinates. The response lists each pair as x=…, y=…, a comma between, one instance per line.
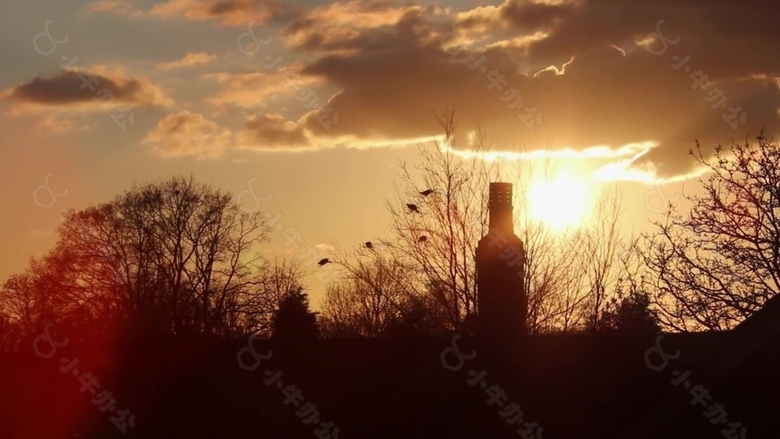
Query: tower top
x=500, y=207
x=500, y=195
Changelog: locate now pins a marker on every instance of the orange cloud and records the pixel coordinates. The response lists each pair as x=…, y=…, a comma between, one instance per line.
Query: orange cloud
x=118, y=7
x=273, y=131
x=191, y=59
x=252, y=90
x=342, y=21
x=191, y=134
x=188, y=134
x=392, y=78
x=62, y=125
x=391, y=71
x=229, y=12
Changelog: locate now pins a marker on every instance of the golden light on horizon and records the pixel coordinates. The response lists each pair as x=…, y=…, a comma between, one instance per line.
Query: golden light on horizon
x=561, y=202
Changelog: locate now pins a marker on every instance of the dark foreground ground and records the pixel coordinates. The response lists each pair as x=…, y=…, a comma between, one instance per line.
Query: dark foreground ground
x=571, y=387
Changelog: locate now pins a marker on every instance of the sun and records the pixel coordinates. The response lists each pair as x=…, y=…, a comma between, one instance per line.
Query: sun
x=561, y=203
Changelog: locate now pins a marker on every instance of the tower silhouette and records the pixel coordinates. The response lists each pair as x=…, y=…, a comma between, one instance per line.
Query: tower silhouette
x=502, y=303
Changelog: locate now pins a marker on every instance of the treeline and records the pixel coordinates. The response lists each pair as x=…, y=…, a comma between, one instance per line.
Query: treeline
x=179, y=257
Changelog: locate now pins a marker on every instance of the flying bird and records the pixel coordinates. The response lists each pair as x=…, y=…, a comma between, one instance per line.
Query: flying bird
x=426, y=192
x=412, y=207
x=369, y=245
x=323, y=261
x=422, y=239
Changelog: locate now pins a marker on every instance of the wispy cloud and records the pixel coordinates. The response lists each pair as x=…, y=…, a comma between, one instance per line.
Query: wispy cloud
x=228, y=12
x=118, y=7
x=192, y=59
x=62, y=125
x=247, y=90
x=324, y=247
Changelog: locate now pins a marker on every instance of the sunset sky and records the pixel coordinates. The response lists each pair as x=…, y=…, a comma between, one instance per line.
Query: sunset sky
x=606, y=98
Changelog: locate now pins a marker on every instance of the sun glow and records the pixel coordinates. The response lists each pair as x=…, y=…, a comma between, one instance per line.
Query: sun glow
x=561, y=203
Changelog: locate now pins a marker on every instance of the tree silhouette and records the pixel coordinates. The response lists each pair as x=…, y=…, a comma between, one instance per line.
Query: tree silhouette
x=452, y=219
x=173, y=256
x=279, y=278
x=718, y=264
x=415, y=320
x=294, y=320
x=7, y=333
x=628, y=314
x=379, y=295
x=368, y=297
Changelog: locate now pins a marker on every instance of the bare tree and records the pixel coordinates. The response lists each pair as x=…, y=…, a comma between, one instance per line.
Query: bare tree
x=570, y=274
x=439, y=237
x=41, y=295
x=279, y=278
x=719, y=263
x=554, y=263
x=369, y=296
x=170, y=256
x=548, y=278
x=602, y=250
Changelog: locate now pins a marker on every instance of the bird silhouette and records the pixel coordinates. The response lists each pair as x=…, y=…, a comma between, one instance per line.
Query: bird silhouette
x=323, y=261
x=422, y=239
x=369, y=245
x=412, y=207
x=426, y=192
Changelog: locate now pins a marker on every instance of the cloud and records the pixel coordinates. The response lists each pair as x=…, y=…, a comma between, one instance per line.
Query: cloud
x=247, y=90
x=579, y=64
x=62, y=125
x=228, y=12
x=188, y=134
x=273, y=130
x=118, y=7
x=192, y=59
x=253, y=90
x=718, y=51
x=329, y=25
x=324, y=247
x=581, y=71
x=524, y=15
x=76, y=89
